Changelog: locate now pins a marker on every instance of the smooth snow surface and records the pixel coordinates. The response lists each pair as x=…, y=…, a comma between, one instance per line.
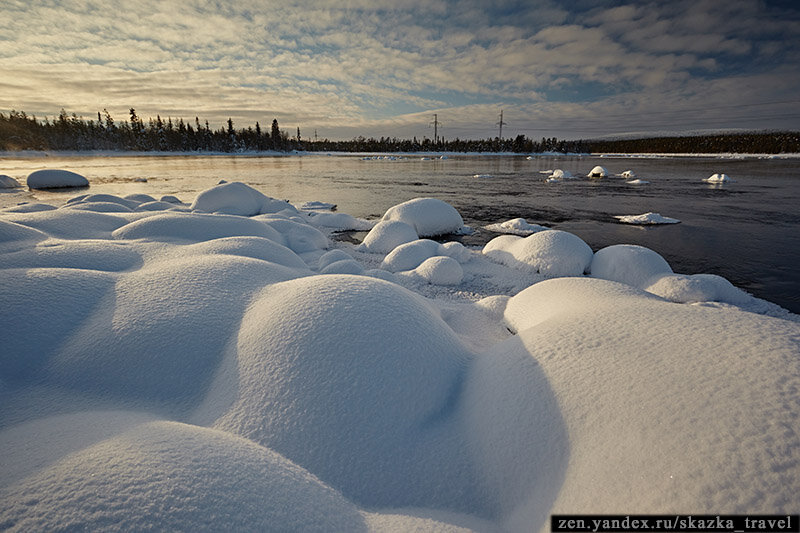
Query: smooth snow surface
x=516, y=226
x=173, y=369
x=7, y=182
x=646, y=218
x=428, y=216
x=549, y=252
x=55, y=179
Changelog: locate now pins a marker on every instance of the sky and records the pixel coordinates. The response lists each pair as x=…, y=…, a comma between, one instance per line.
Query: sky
x=342, y=69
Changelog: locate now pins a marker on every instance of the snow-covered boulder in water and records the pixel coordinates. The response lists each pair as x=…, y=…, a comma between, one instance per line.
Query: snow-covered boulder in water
x=646, y=219
x=598, y=172
x=718, y=178
x=55, y=179
x=549, y=252
x=428, y=216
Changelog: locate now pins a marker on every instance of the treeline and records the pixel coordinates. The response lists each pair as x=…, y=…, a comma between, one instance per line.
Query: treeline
x=19, y=131
x=739, y=143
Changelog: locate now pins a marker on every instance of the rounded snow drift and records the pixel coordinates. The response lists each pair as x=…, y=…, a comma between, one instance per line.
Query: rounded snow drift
x=629, y=263
x=55, y=179
x=549, y=252
x=343, y=374
x=440, y=270
x=7, y=182
x=428, y=216
x=388, y=235
x=598, y=172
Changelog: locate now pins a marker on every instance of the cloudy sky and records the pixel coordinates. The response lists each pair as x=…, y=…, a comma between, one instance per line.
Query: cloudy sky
x=345, y=68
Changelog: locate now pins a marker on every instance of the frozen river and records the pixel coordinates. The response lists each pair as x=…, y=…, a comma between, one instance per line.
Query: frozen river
x=747, y=231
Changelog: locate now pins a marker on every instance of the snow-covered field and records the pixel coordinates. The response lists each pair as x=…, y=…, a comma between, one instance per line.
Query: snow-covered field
x=226, y=365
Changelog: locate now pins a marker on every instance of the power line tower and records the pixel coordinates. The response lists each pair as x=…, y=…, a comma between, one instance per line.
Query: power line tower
x=501, y=124
x=435, y=125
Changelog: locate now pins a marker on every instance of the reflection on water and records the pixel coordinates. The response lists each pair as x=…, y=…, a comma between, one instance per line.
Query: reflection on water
x=747, y=231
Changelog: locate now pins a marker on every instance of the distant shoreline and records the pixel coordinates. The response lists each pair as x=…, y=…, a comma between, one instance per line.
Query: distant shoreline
x=31, y=154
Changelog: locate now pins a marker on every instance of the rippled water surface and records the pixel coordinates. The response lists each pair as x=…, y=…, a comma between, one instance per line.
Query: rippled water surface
x=747, y=231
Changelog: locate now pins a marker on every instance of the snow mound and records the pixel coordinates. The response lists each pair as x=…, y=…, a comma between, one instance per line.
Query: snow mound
x=237, y=198
x=625, y=389
x=410, y=255
x=695, y=288
x=559, y=174
x=170, y=199
x=359, y=411
x=112, y=483
x=428, y=216
x=195, y=227
x=457, y=251
x=440, y=270
x=55, y=179
x=155, y=206
x=345, y=266
x=387, y=235
x=332, y=256
x=9, y=232
x=298, y=236
x=338, y=221
x=100, y=207
x=718, y=178
x=629, y=263
x=637, y=182
x=71, y=223
x=646, y=218
x=7, y=182
x=104, y=199
x=516, y=226
x=598, y=172
x=315, y=205
x=628, y=174
x=253, y=247
x=140, y=198
x=27, y=208
x=549, y=252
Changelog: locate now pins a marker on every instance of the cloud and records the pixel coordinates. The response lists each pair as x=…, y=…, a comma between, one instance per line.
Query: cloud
x=378, y=63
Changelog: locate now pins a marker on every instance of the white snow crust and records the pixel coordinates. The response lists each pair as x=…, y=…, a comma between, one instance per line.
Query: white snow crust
x=55, y=179
x=182, y=370
x=428, y=216
x=516, y=226
x=646, y=219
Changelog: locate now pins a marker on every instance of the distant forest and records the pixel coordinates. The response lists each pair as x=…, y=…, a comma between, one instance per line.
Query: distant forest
x=19, y=131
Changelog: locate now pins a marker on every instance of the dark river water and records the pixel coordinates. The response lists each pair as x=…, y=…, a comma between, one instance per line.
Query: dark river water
x=747, y=231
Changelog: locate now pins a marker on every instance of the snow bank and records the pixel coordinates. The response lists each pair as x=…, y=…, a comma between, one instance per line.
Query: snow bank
x=635, y=404
x=7, y=182
x=55, y=179
x=646, y=218
x=516, y=226
x=550, y=252
x=191, y=371
x=428, y=216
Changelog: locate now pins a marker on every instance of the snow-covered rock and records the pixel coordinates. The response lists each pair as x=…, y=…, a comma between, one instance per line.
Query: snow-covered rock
x=410, y=255
x=684, y=288
x=646, y=219
x=55, y=179
x=550, y=252
x=516, y=226
x=629, y=263
x=387, y=235
x=237, y=198
x=598, y=172
x=440, y=270
x=428, y=216
x=718, y=178
x=7, y=182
